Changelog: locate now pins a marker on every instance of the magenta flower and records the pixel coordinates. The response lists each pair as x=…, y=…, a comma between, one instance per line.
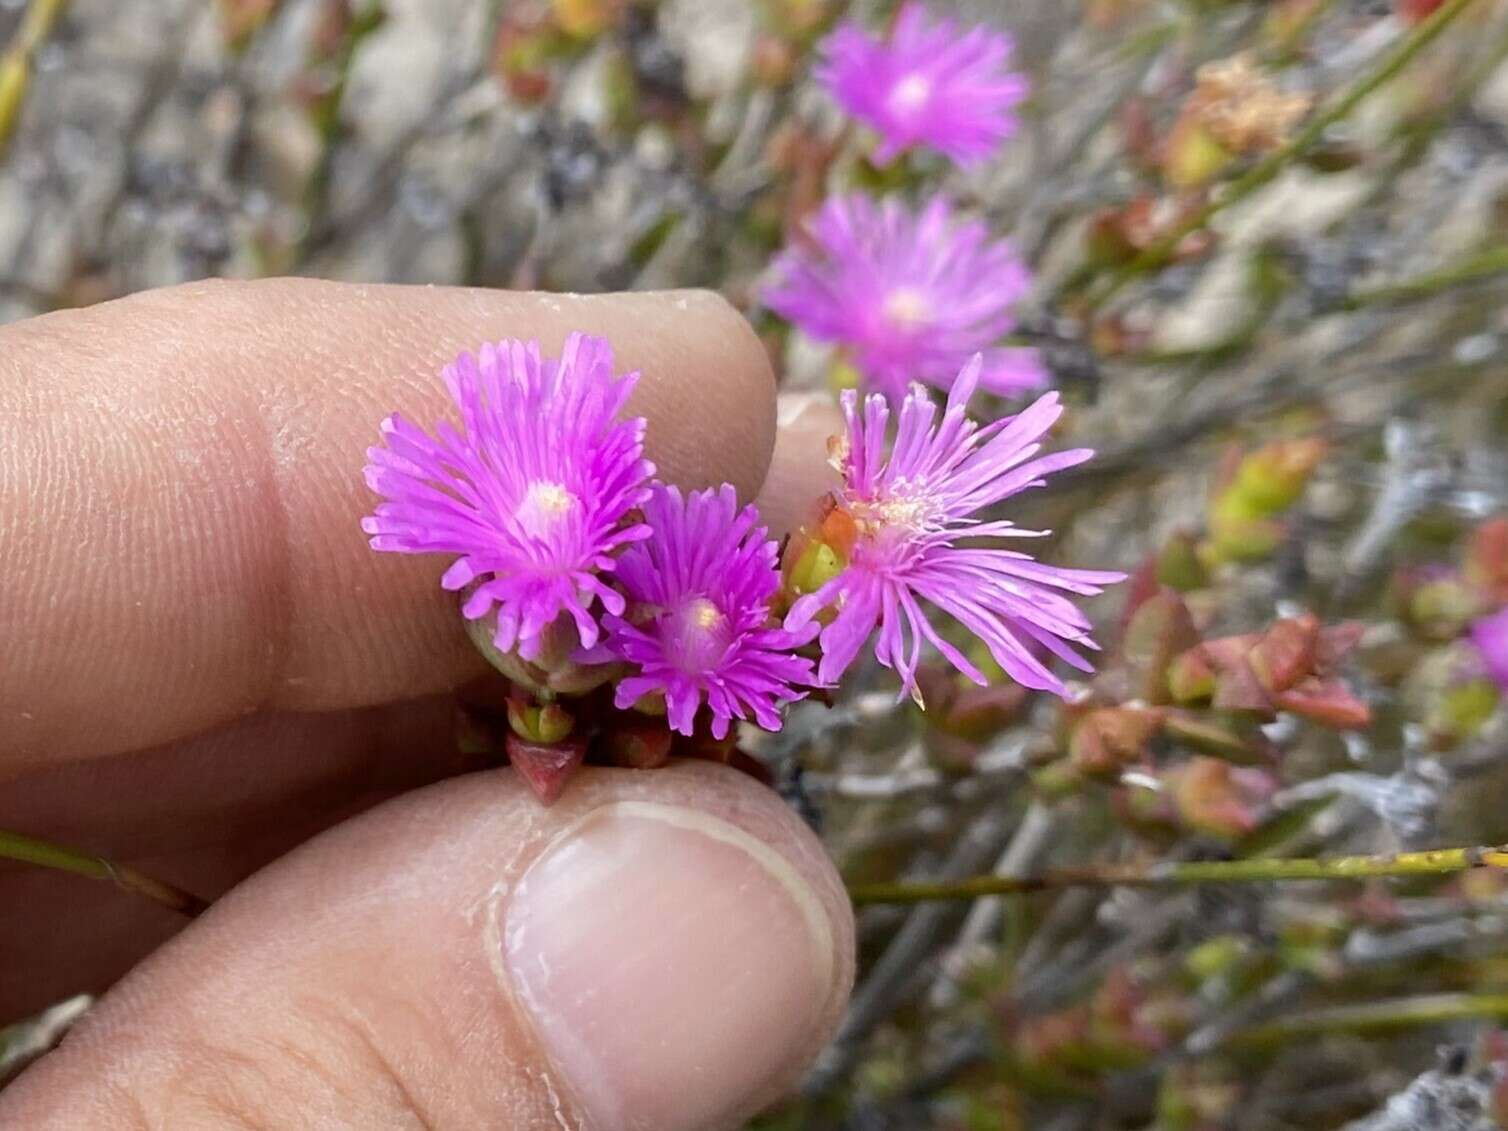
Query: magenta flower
x=903, y=519
x=1490, y=635
x=911, y=296
x=698, y=624
x=533, y=494
x=933, y=83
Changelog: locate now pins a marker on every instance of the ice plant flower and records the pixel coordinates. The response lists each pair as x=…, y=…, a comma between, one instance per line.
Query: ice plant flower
x=908, y=294
x=698, y=624
x=533, y=494
x=1490, y=635
x=903, y=527
x=931, y=83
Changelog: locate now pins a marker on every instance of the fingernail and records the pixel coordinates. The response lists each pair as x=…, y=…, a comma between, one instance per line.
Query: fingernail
x=671, y=963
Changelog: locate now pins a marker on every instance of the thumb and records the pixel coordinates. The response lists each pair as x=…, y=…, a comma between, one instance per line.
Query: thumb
x=663, y=950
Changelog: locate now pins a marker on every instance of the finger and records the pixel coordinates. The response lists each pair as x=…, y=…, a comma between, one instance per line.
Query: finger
x=203, y=814
x=800, y=473
x=661, y=950
x=181, y=491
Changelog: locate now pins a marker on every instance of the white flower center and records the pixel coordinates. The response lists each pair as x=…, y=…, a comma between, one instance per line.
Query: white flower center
x=909, y=515
x=698, y=635
x=906, y=308
x=544, y=507
x=911, y=93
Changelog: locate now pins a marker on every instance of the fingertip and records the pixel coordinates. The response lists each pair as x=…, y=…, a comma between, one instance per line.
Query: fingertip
x=800, y=473
x=709, y=394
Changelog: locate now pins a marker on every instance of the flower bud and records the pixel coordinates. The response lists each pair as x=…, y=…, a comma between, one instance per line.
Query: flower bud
x=1216, y=957
x=1194, y=156
x=1436, y=602
x=1190, y=677
x=638, y=745
x=1238, y=535
x=1218, y=799
x=1271, y=479
x=1178, y=564
x=1109, y=739
x=548, y=723
x=559, y=667
x=586, y=19
x=816, y=565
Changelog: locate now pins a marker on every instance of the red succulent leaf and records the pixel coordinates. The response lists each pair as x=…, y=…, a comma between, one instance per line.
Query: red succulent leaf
x=546, y=769
x=1239, y=688
x=1158, y=631
x=1335, y=641
x=1328, y=702
x=1487, y=559
x=1287, y=652
x=638, y=745
x=1110, y=738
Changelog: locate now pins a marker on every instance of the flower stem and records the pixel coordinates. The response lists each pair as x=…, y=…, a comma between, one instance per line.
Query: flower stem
x=1422, y=35
x=45, y=854
x=16, y=62
x=1435, y=862
x=1473, y=268
x=1373, y=1018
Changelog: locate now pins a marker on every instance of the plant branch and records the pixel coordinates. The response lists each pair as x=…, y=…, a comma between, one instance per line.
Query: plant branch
x=16, y=63
x=1373, y=1018
x=1470, y=269
x=45, y=854
x=1435, y=862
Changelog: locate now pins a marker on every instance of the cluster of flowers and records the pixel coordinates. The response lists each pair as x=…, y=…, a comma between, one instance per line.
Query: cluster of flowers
x=911, y=294
x=580, y=569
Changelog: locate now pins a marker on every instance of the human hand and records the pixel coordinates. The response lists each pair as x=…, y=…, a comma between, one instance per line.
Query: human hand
x=205, y=666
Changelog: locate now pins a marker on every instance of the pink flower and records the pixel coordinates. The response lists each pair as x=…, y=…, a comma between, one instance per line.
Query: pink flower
x=698, y=624
x=932, y=83
x=1490, y=635
x=909, y=537
x=910, y=296
x=533, y=493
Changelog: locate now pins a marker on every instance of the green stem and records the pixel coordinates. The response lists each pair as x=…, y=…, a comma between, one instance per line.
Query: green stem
x=15, y=63
x=45, y=854
x=1435, y=862
x=1471, y=269
x=1423, y=34
x=1373, y=1018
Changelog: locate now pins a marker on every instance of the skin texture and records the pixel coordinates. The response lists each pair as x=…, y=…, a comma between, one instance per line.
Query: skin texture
x=205, y=666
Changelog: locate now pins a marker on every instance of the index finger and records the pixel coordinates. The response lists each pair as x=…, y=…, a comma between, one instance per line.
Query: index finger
x=181, y=491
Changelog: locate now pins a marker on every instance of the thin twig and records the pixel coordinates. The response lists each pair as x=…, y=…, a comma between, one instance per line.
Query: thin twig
x=1373, y=1018
x=45, y=854
x=1472, y=269
x=16, y=63
x=1434, y=862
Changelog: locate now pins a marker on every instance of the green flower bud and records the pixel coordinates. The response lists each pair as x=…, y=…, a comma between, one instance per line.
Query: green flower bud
x=546, y=724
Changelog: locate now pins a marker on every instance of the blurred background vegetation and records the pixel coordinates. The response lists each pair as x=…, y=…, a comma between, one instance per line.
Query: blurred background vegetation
x=1271, y=247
